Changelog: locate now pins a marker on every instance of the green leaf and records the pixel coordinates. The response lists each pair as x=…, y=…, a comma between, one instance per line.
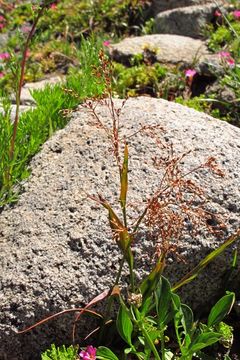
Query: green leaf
x=188, y=317
x=204, y=340
x=163, y=300
x=178, y=317
x=221, y=309
x=105, y=354
x=147, y=306
x=124, y=324
x=183, y=321
x=197, y=269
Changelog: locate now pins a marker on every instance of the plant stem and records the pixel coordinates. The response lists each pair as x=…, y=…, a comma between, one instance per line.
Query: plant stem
x=162, y=339
x=150, y=344
x=110, y=300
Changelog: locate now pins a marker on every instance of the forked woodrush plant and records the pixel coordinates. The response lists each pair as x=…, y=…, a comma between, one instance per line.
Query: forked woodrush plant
x=152, y=305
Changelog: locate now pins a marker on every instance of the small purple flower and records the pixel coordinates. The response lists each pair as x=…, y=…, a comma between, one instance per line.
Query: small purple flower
x=106, y=43
x=89, y=353
x=236, y=14
x=190, y=73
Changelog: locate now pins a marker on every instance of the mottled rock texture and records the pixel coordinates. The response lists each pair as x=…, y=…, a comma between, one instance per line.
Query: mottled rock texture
x=186, y=21
x=168, y=49
x=26, y=97
x=163, y=5
x=56, y=247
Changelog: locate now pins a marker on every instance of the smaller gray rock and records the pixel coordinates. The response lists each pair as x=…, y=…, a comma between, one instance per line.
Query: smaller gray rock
x=186, y=21
x=163, y=5
x=23, y=108
x=223, y=93
x=26, y=97
x=3, y=40
x=169, y=49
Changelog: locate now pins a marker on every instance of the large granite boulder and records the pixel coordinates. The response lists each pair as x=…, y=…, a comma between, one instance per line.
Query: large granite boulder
x=57, y=251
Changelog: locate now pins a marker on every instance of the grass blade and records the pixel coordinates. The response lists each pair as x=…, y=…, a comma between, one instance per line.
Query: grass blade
x=124, y=184
x=197, y=269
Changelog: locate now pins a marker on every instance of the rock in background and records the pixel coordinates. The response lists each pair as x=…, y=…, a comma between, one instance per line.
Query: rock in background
x=56, y=247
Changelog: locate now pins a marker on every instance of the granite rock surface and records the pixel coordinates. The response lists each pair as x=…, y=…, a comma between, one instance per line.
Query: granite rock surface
x=168, y=49
x=186, y=21
x=163, y=5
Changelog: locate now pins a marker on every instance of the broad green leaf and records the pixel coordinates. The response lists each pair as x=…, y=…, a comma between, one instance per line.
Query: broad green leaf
x=197, y=269
x=147, y=306
x=221, y=309
x=204, y=340
x=188, y=317
x=163, y=300
x=149, y=284
x=124, y=179
x=104, y=353
x=178, y=317
x=176, y=301
x=183, y=320
x=124, y=325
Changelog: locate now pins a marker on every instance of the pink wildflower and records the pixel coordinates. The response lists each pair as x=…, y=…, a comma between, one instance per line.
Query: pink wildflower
x=106, y=43
x=28, y=53
x=231, y=61
x=26, y=29
x=1, y=74
x=1, y=26
x=218, y=13
x=53, y=6
x=2, y=18
x=89, y=353
x=4, y=56
x=236, y=14
x=224, y=54
x=190, y=73
x=226, y=57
